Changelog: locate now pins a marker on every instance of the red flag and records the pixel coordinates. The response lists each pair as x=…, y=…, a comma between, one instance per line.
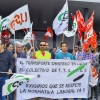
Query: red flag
x=49, y=33
x=85, y=46
x=93, y=40
x=5, y=35
x=89, y=28
x=80, y=22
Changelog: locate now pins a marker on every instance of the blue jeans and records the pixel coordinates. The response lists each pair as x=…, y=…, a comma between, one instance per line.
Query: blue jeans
x=2, y=82
x=11, y=96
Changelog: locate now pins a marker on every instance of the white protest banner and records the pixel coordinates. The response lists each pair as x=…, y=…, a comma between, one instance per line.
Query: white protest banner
x=56, y=78
x=14, y=82
x=19, y=19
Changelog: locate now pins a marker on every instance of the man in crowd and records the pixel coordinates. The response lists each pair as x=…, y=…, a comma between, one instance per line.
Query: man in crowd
x=80, y=51
x=42, y=53
x=54, y=50
x=64, y=55
x=6, y=65
x=88, y=55
x=28, y=50
x=17, y=54
x=97, y=66
x=47, y=48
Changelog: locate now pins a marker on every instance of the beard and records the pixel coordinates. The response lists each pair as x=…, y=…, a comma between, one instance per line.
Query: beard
x=92, y=51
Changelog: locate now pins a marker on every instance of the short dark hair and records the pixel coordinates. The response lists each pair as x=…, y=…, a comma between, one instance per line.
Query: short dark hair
x=63, y=43
x=8, y=44
x=55, y=47
x=41, y=41
x=27, y=46
x=2, y=41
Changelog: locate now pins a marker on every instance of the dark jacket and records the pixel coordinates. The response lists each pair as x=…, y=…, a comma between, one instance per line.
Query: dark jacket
x=6, y=62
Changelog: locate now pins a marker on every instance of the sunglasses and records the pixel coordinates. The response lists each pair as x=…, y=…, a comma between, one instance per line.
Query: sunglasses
x=42, y=45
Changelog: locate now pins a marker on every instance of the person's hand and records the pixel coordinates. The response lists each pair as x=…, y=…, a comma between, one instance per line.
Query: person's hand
x=32, y=48
x=91, y=61
x=33, y=54
x=9, y=72
x=74, y=53
x=15, y=55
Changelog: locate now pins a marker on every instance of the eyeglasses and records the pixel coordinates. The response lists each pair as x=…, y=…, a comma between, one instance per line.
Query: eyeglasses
x=42, y=45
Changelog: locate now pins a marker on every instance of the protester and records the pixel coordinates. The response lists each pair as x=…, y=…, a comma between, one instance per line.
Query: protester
x=88, y=55
x=95, y=89
x=64, y=55
x=6, y=65
x=80, y=51
x=42, y=54
x=47, y=48
x=54, y=50
x=17, y=53
x=9, y=47
x=28, y=51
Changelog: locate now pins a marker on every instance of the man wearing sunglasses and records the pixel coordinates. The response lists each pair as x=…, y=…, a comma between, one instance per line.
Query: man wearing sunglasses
x=42, y=53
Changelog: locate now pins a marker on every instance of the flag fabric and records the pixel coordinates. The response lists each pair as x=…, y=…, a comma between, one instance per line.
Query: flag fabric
x=14, y=82
x=73, y=31
x=90, y=35
x=93, y=40
x=29, y=37
x=85, y=46
x=19, y=19
x=60, y=23
x=89, y=28
x=5, y=35
x=93, y=81
x=80, y=22
x=49, y=33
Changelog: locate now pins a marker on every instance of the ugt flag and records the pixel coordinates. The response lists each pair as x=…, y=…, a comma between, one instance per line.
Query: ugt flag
x=14, y=82
x=19, y=19
x=60, y=23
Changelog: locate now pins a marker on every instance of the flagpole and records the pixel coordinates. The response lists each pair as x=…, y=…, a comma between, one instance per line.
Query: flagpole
x=63, y=37
x=14, y=42
x=7, y=72
x=74, y=41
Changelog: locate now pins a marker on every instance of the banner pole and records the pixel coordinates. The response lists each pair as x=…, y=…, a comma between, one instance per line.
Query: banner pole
x=74, y=41
x=63, y=37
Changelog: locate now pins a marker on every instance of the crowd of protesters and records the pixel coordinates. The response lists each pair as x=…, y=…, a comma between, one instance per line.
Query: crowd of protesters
x=10, y=52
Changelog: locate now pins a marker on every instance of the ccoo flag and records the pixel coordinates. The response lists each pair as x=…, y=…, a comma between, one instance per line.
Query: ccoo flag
x=14, y=82
x=60, y=23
